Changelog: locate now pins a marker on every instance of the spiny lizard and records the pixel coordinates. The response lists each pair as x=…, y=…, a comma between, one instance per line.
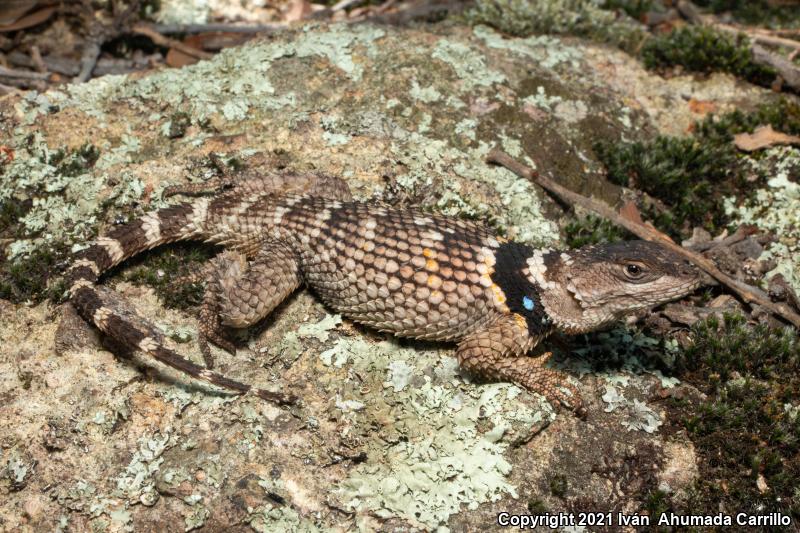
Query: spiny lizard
x=403, y=271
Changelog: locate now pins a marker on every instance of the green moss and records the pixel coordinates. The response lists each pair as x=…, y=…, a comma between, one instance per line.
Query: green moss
x=165, y=269
x=692, y=175
x=706, y=50
x=537, y=506
x=592, y=229
x=747, y=429
x=782, y=114
x=683, y=172
x=760, y=12
x=178, y=124
x=74, y=162
x=11, y=211
x=558, y=486
x=584, y=18
x=34, y=278
x=634, y=8
x=733, y=347
x=655, y=504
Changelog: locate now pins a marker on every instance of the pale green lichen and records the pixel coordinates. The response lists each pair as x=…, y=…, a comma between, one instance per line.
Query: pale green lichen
x=571, y=111
x=14, y=468
x=137, y=482
x=320, y=330
x=468, y=63
x=234, y=83
x=335, y=132
x=520, y=210
x=547, y=51
x=513, y=147
x=400, y=373
x=196, y=514
x=427, y=94
x=639, y=417
x=427, y=475
x=466, y=127
x=776, y=209
x=542, y=100
x=269, y=518
x=63, y=205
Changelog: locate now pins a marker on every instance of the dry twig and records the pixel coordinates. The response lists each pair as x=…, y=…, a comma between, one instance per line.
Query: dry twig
x=147, y=31
x=100, y=33
x=748, y=293
x=171, y=29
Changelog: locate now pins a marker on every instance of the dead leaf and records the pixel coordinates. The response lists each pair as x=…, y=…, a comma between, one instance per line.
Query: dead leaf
x=13, y=10
x=702, y=107
x=761, y=484
x=763, y=137
x=629, y=211
x=35, y=18
x=177, y=59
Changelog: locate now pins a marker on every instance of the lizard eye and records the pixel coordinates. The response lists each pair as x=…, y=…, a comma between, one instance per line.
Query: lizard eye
x=634, y=271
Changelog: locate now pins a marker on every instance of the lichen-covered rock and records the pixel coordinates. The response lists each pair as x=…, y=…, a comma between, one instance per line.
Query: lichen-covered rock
x=388, y=432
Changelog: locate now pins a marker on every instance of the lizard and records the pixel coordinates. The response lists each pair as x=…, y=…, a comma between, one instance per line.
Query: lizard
x=399, y=270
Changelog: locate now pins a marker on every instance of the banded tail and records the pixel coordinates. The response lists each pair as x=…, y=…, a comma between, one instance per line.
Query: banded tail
x=108, y=312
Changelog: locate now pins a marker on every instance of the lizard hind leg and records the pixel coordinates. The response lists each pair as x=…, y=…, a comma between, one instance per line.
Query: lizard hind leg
x=240, y=293
x=497, y=352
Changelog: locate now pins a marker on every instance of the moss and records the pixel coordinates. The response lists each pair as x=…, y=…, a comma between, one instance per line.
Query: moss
x=592, y=229
x=634, y=8
x=655, y=504
x=746, y=430
x=11, y=211
x=782, y=114
x=34, y=278
x=178, y=124
x=731, y=346
x=692, y=175
x=703, y=49
x=683, y=172
x=558, y=486
x=74, y=162
x=760, y=12
x=537, y=506
x=584, y=18
x=167, y=271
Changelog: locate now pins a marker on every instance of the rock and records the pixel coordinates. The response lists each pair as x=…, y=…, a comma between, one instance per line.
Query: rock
x=405, y=115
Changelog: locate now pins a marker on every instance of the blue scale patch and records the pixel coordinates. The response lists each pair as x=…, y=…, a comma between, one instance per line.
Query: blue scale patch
x=527, y=303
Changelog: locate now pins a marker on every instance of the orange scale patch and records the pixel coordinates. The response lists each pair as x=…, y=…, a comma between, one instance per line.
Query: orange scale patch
x=434, y=281
x=499, y=295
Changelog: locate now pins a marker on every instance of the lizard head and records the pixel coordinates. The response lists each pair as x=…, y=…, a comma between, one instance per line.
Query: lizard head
x=587, y=288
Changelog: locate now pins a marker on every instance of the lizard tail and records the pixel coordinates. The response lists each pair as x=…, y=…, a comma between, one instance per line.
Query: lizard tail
x=111, y=315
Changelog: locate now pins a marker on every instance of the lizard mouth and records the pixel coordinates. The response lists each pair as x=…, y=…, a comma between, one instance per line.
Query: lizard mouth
x=572, y=290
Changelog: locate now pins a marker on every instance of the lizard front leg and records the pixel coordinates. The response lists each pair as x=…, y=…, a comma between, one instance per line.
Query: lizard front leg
x=497, y=352
x=240, y=293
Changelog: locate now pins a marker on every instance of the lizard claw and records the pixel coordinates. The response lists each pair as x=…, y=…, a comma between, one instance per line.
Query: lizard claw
x=276, y=397
x=217, y=340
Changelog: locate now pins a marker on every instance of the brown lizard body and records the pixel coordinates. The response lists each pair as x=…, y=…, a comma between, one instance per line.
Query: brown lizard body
x=403, y=271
